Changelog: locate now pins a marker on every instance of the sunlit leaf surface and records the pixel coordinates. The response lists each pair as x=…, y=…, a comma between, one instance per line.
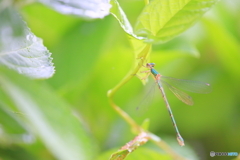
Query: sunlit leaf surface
x=161, y=20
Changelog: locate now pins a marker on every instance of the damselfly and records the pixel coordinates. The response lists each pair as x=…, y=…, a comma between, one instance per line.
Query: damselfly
x=191, y=86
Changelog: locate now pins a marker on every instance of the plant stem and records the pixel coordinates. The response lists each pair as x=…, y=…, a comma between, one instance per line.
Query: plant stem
x=135, y=127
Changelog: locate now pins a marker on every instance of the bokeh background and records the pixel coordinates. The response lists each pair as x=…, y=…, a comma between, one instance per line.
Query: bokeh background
x=91, y=57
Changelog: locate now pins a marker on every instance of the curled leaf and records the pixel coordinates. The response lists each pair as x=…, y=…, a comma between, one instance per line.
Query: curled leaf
x=119, y=14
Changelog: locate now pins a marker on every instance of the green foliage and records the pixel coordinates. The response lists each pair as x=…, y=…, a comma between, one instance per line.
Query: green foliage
x=68, y=116
x=37, y=103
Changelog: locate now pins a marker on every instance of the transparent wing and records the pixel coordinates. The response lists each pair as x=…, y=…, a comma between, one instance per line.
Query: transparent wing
x=182, y=96
x=147, y=99
x=188, y=85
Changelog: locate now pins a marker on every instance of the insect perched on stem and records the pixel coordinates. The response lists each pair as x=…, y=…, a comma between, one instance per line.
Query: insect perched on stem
x=191, y=86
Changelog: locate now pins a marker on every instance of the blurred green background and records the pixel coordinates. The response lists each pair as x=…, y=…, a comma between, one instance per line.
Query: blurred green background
x=91, y=57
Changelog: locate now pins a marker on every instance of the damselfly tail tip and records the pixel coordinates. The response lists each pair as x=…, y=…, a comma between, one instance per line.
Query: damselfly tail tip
x=180, y=140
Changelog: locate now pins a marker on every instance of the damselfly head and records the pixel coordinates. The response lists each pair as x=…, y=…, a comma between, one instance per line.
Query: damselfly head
x=150, y=65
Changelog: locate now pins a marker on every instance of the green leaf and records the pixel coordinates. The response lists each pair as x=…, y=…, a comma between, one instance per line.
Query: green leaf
x=141, y=52
x=20, y=49
x=119, y=14
x=88, y=9
x=48, y=116
x=162, y=20
x=179, y=46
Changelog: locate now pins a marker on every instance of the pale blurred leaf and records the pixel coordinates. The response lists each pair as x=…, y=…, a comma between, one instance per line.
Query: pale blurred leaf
x=20, y=49
x=88, y=9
